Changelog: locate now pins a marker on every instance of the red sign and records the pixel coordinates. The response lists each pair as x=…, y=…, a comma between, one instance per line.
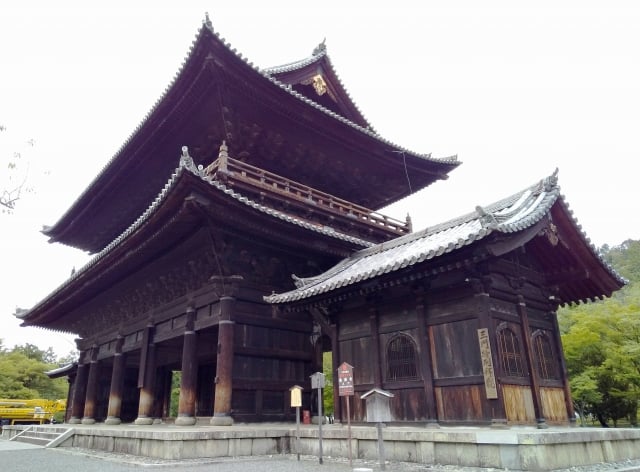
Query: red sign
x=345, y=380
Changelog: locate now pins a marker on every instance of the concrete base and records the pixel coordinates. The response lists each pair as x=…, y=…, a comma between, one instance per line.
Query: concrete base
x=514, y=448
x=112, y=420
x=75, y=421
x=185, y=421
x=88, y=421
x=221, y=421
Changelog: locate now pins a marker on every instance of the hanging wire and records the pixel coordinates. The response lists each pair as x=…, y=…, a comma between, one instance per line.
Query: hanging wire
x=406, y=171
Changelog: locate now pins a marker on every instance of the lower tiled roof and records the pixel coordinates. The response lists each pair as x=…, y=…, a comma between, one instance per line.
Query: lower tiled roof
x=515, y=213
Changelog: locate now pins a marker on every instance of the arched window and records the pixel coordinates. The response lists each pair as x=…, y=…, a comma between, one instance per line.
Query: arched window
x=546, y=363
x=401, y=359
x=510, y=353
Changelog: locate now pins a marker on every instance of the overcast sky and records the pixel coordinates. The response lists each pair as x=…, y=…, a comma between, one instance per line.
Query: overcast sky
x=515, y=89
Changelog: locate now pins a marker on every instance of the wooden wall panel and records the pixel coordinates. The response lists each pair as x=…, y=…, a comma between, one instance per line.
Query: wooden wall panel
x=358, y=352
x=409, y=404
x=455, y=349
x=554, y=408
x=461, y=403
x=518, y=404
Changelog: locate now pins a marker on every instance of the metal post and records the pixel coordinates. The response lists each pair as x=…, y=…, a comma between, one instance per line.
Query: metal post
x=320, y=424
x=349, y=432
x=381, y=446
x=298, y=431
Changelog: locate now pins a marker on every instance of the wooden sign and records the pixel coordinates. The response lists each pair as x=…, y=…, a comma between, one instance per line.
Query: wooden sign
x=296, y=396
x=345, y=380
x=487, y=364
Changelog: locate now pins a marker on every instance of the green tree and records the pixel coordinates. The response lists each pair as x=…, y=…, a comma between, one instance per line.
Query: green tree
x=23, y=374
x=602, y=344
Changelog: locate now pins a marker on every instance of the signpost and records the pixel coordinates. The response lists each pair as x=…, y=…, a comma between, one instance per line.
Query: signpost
x=317, y=381
x=378, y=411
x=296, y=401
x=345, y=389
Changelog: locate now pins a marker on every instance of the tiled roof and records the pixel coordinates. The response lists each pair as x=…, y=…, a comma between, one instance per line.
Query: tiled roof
x=512, y=214
x=187, y=165
x=318, y=54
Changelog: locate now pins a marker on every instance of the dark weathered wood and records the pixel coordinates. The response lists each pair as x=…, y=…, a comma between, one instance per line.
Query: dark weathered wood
x=92, y=389
x=533, y=373
x=79, y=392
x=147, y=392
x=117, y=384
x=425, y=361
x=188, y=380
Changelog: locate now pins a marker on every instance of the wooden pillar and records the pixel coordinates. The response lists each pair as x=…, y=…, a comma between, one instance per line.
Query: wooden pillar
x=117, y=383
x=426, y=367
x=335, y=363
x=563, y=369
x=227, y=289
x=533, y=373
x=79, y=391
x=188, y=381
x=375, y=341
x=92, y=389
x=483, y=307
x=147, y=391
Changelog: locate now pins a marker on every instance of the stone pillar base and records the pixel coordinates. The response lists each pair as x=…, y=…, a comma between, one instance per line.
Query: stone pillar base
x=74, y=420
x=88, y=421
x=143, y=420
x=431, y=424
x=221, y=421
x=112, y=420
x=185, y=421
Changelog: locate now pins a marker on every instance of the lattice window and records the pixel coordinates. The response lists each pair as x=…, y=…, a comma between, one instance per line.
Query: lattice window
x=510, y=353
x=546, y=362
x=401, y=359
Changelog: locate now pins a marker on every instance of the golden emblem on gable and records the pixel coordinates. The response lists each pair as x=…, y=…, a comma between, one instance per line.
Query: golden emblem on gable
x=319, y=84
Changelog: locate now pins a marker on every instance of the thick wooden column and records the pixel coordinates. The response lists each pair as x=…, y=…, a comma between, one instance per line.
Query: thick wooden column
x=533, y=373
x=227, y=289
x=147, y=391
x=376, y=361
x=563, y=369
x=483, y=304
x=92, y=389
x=117, y=382
x=188, y=381
x=426, y=367
x=79, y=391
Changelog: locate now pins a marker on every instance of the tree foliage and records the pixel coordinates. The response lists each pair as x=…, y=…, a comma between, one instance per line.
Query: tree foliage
x=22, y=373
x=602, y=345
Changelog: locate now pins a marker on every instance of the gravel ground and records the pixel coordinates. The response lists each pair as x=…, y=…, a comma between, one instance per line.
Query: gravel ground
x=288, y=463
x=19, y=457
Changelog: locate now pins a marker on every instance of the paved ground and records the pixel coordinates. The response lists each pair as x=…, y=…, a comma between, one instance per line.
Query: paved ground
x=21, y=457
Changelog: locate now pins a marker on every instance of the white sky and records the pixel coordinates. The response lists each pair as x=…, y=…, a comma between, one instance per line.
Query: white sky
x=516, y=89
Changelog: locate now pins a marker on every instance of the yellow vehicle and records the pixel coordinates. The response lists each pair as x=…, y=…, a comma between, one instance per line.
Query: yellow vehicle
x=32, y=411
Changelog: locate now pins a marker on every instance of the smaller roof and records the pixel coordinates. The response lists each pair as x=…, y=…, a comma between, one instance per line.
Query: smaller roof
x=317, y=70
x=510, y=215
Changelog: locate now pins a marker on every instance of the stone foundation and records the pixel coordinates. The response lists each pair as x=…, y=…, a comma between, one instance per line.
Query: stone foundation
x=516, y=448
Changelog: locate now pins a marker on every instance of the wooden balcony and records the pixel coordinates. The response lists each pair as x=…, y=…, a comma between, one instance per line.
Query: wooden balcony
x=306, y=201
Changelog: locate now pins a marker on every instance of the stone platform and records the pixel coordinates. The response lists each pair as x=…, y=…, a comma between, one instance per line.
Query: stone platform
x=511, y=448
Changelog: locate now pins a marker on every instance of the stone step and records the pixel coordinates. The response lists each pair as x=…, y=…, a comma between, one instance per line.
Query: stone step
x=34, y=440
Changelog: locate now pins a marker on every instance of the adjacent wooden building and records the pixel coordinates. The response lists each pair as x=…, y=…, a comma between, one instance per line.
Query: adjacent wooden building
x=239, y=178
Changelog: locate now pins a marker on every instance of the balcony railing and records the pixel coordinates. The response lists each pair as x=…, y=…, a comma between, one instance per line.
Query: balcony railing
x=241, y=174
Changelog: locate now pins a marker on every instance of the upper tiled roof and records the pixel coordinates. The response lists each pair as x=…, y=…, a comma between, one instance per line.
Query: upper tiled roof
x=515, y=213
x=71, y=227
x=320, y=59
